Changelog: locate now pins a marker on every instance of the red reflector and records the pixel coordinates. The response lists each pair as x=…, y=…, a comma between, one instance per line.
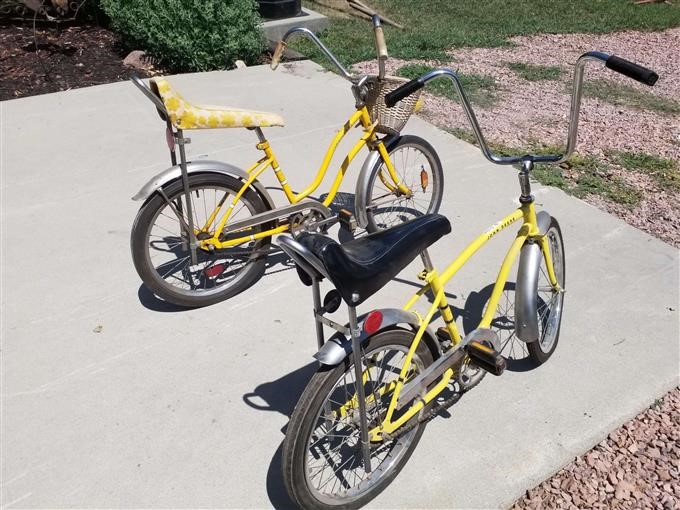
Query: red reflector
x=373, y=322
x=170, y=139
x=214, y=271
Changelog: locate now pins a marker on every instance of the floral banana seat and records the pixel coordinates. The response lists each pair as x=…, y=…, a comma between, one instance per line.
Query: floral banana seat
x=185, y=115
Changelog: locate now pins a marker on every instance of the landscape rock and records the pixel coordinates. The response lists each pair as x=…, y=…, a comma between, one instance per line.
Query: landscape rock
x=637, y=466
x=137, y=59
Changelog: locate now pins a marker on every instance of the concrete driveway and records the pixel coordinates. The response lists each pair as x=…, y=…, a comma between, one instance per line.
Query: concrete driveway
x=110, y=398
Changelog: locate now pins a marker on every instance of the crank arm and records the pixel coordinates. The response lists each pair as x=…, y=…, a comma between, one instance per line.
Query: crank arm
x=328, y=222
x=276, y=214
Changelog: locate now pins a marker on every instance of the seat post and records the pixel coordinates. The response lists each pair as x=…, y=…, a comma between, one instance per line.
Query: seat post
x=316, y=292
x=260, y=134
x=359, y=384
x=427, y=262
x=181, y=141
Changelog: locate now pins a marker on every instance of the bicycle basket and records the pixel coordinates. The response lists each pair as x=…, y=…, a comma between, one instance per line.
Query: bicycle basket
x=390, y=120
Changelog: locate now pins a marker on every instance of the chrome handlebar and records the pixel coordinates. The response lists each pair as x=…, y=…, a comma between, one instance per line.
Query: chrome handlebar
x=149, y=93
x=630, y=69
x=309, y=35
x=380, y=48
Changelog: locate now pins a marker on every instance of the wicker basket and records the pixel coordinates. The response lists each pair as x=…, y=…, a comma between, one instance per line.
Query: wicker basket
x=390, y=120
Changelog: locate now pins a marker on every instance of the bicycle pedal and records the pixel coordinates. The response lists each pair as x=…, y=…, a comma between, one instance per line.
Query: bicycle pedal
x=347, y=220
x=485, y=357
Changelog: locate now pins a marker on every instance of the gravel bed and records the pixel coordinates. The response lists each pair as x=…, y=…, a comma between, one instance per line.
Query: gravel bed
x=529, y=112
x=540, y=110
x=635, y=467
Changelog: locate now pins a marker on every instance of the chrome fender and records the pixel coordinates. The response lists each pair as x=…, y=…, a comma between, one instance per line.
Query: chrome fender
x=526, y=318
x=204, y=166
x=339, y=347
x=360, y=195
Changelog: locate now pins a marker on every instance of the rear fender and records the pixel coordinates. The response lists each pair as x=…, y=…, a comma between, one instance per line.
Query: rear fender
x=339, y=347
x=205, y=167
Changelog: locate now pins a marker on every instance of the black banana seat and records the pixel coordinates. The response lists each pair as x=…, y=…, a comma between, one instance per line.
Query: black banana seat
x=363, y=266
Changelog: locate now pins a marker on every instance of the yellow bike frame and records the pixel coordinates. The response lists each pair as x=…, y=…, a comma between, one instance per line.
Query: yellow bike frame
x=359, y=118
x=435, y=282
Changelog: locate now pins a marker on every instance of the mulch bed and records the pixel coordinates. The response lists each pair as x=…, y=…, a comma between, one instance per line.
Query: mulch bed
x=55, y=58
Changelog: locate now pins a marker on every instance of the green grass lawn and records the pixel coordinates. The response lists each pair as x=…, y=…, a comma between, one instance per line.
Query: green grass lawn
x=625, y=95
x=588, y=175
x=532, y=72
x=433, y=26
x=665, y=172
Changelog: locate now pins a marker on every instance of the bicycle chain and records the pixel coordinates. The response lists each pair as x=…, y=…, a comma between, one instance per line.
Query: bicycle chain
x=426, y=417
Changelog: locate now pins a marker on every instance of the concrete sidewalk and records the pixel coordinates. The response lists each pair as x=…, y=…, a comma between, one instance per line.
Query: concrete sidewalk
x=112, y=399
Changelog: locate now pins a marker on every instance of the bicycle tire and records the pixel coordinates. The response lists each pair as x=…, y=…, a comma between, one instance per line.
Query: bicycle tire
x=410, y=155
x=317, y=398
x=550, y=312
x=215, y=282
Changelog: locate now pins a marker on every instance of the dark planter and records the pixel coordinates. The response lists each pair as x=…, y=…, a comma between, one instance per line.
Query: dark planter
x=278, y=9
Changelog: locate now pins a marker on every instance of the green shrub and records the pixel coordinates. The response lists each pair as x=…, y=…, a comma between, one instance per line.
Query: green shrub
x=190, y=35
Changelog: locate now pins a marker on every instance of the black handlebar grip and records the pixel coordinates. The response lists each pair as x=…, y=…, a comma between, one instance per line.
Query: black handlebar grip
x=404, y=90
x=632, y=70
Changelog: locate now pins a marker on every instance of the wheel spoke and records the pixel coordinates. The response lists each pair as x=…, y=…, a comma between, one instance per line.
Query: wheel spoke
x=408, y=159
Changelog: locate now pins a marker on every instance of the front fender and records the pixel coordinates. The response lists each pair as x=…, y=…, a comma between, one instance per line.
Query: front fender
x=205, y=166
x=338, y=347
x=526, y=305
x=360, y=195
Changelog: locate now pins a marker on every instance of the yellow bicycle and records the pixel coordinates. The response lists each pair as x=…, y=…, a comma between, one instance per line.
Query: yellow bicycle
x=204, y=230
x=385, y=374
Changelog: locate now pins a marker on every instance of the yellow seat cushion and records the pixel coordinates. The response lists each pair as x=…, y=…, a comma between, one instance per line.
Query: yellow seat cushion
x=185, y=115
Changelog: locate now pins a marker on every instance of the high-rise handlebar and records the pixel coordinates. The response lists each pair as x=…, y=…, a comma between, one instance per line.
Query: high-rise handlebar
x=278, y=53
x=380, y=48
x=620, y=65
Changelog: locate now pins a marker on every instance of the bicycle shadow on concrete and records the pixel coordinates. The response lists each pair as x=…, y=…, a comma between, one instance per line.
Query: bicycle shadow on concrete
x=280, y=396
x=347, y=201
x=514, y=350
x=342, y=201
x=276, y=262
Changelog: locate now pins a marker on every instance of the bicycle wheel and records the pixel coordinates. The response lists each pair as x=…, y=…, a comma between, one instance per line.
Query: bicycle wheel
x=322, y=458
x=549, y=301
x=419, y=168
x=160, y=249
